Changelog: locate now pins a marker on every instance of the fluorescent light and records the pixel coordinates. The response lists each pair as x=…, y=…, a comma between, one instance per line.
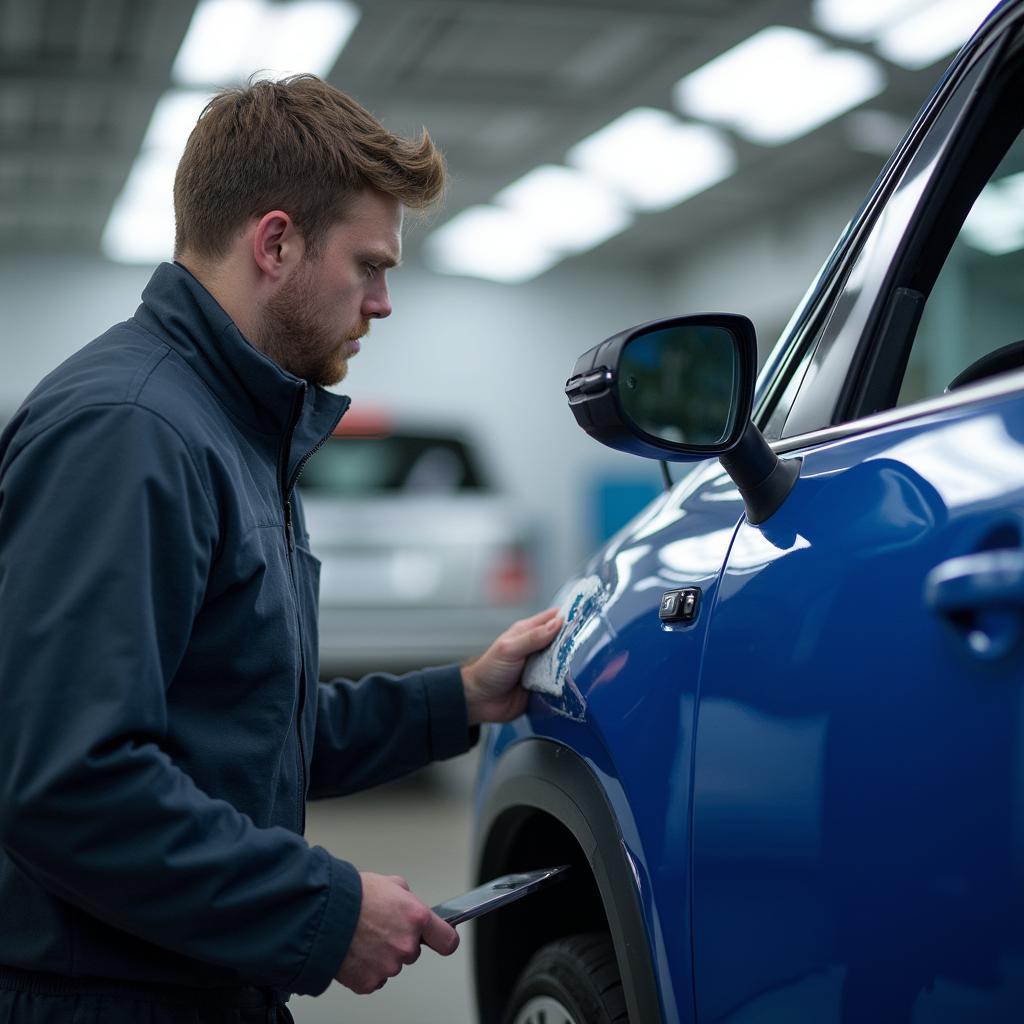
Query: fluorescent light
x=996, y=222
x=229, y=40
x=860, y=19
x=489, y=242
x=217, y=41
x=778, y=85
x=547, y=214
x=309, y=35
x=173, y=119
x=565, y=209
x=925, y=37
x=140, y=228
x=912, y=33
x=654, y=159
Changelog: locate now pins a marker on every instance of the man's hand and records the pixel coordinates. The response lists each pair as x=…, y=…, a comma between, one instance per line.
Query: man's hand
x=493, y=693
x=392, y=925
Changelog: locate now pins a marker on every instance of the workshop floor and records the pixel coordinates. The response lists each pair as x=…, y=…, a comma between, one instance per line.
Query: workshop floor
x=418, y=828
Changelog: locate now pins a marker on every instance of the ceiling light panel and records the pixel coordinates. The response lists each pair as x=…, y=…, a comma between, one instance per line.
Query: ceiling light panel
x=564, y=208
x=229, y=40
x=778, y=85
x=140, y=228
x=930, y=34
x=489, y=242
x=173, y=119
x=861, y=20
x=653, y=159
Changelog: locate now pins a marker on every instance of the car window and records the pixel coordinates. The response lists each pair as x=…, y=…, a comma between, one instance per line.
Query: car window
x=972, y=325
x=354, y=466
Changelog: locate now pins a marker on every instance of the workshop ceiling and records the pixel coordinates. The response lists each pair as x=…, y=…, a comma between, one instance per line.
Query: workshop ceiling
x=502, y=85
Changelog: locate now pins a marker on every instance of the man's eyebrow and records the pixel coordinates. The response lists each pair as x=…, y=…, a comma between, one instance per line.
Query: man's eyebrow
x=381, y=259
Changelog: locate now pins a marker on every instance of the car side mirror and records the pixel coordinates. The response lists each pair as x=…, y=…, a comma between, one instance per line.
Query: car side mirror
x=682, y=389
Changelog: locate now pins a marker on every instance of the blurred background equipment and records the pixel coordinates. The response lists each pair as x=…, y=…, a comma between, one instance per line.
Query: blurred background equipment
x=424, y=560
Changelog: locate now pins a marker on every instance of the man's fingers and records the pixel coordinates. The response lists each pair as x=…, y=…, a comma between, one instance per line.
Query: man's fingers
x=519, y=646
x=399, y=880
x=440, y=936
x=523, y=625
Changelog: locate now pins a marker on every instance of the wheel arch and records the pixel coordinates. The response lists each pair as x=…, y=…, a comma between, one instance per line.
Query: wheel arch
x=545, y=805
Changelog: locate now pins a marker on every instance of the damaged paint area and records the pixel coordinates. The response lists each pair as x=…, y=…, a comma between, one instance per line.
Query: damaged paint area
x=547, y=671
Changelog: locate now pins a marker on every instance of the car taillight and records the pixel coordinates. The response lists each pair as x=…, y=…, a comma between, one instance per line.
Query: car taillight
x=511, y=581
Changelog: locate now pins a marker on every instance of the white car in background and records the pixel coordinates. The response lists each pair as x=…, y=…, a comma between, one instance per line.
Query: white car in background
x=424, y=562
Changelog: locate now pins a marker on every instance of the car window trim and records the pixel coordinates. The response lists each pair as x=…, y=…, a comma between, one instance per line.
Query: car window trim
x=994, y=388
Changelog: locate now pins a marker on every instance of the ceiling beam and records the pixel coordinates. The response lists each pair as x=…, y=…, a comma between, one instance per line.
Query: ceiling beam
x=672, y=12
x=485, y=93
x=51, y=73
x=95, y=156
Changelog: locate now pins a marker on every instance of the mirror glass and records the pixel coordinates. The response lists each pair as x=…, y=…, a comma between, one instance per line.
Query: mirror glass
x=681, y=384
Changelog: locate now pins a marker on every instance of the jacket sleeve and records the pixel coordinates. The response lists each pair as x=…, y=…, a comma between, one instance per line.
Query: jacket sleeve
x=106, y=536
x=385, y=726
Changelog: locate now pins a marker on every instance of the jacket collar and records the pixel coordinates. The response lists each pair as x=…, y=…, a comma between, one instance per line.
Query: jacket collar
x=253, y=388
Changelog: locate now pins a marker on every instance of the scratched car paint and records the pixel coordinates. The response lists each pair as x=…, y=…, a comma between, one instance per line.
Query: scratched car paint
x=807, y=804
x=547, y=672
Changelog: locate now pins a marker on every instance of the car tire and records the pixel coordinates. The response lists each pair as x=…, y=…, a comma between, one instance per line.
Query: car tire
x=571, y=981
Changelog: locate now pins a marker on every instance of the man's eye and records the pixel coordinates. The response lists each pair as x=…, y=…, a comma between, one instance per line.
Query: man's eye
x=371, y=269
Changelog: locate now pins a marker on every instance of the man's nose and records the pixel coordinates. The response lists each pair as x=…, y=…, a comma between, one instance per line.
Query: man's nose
x=377, y=304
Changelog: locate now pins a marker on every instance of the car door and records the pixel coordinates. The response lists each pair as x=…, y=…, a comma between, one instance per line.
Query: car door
x=858, y=804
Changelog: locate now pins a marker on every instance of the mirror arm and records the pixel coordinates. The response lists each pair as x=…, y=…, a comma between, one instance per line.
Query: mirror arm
x=665, y=475
x=762, y=478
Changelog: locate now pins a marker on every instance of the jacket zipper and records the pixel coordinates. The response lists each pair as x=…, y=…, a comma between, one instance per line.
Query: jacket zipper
x=289, y=532
x=312, y=451
x=289, y=537
x=289, y=529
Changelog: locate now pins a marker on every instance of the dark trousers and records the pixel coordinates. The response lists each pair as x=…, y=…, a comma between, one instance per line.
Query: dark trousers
x=39, y=999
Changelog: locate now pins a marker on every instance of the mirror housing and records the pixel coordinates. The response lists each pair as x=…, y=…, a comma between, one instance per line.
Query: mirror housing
x=596, y=388
x=677, y=420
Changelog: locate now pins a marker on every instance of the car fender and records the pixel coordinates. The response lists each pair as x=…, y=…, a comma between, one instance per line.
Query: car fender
x=541, y=775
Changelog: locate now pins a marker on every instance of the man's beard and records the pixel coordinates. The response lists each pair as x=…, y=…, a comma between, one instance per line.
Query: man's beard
x=298, y=341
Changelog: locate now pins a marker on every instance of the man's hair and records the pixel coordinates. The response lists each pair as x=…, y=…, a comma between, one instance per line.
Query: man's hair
x=297, y=145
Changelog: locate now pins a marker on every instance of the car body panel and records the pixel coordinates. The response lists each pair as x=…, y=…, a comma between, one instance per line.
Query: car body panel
x=858, y=811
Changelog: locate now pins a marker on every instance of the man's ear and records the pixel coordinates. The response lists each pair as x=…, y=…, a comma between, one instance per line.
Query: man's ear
x=277, y=246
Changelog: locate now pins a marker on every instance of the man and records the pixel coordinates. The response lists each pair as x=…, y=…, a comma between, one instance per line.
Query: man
x=161, y=722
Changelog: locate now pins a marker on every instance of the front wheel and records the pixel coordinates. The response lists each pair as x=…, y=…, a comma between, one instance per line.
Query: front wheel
x=574, y=980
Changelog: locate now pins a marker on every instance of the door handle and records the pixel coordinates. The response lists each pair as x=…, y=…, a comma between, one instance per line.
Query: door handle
x=982, y=597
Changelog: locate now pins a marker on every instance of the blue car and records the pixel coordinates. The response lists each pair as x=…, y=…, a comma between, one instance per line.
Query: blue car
x=780, y=738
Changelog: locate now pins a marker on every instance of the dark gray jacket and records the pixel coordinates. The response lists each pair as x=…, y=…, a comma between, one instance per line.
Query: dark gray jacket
x=161, y=723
